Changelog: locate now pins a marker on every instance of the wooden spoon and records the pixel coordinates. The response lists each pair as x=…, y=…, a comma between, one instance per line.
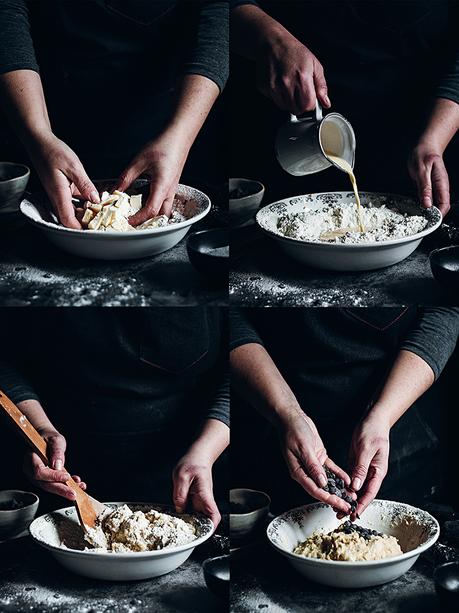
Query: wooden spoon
x=88, y=508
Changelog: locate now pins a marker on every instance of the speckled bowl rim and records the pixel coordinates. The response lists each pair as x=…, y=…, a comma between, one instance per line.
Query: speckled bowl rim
x=207, y=525
x=269, y=208
x=202, y=199
x=346, y=564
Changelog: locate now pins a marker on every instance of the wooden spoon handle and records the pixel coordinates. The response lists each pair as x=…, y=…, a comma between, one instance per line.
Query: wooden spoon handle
x=85, y=508
x=34, y=439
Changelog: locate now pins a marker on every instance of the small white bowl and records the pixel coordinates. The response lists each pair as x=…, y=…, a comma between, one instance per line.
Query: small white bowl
x=113, y=245
x=242, y=210
x=49, y=530
x=333, y=256
x=416, y=531
x=243, y=524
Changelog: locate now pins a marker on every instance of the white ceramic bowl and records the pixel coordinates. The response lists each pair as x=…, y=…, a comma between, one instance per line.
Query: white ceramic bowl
x=242, y=210
x=113, y=245
x=49, y=530
x=415, y=530
x=331, y=256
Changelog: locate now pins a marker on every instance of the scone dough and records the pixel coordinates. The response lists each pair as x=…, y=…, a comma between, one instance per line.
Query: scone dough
x=341, y=546
x=124, y=530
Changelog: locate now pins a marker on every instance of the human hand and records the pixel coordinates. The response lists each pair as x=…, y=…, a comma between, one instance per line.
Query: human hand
x=291, y=76
x=369, y=457
x=51, y=478
x=62, y=176
x=192, y=481
x=162, y=160
x=427, y=169
x=306, y=457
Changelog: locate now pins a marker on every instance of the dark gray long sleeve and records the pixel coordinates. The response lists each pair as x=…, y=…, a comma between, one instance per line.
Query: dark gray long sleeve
x=209, y=54
x=16, y=45
x=434, y=336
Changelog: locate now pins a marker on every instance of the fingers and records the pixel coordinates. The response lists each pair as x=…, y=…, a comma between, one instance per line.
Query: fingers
x=304, y=95
x=60, y=194
x=363, y=456
x=320, y=85
x=80, y=483
x=83, y=183
x=157, y=197
x=181, y=486
x=299, y=475
x=376, y=474
x=203, y=502
x=129, y=175
x=41, y=472
x=440, y=186
x=55, y=449
x=46, y=478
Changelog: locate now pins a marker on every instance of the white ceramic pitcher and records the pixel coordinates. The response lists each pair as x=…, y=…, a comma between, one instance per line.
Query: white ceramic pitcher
x=302, y=142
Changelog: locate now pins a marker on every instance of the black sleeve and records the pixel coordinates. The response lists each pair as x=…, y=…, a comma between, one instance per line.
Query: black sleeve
x=448, y=86
x=209, y=55
x=242, y=329
x=434, y=336
x=16, y=46
x=13, y=370
x=220, y=407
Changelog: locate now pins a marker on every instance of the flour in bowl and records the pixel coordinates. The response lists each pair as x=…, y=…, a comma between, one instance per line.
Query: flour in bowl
x=124, y=530
x=339, y=224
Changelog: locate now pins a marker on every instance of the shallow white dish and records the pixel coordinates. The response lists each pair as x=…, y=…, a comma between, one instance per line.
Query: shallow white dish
x=113, y=245
x=331, y=256
x=385, y=516
x=48, y=530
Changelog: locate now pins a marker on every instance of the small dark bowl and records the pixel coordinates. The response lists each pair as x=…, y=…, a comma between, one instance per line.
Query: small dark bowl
x=445, y=266
x=446, y=578
x=13, y=182
x=204, y=250
x=217, y=575
x=17, y=511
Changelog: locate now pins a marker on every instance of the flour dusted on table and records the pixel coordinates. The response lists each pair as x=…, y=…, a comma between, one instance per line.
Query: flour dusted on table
x=339, y=223
x=124, y=530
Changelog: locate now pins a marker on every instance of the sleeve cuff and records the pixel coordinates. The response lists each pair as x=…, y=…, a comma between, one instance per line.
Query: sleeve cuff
x=13, y=66
x=424, y=355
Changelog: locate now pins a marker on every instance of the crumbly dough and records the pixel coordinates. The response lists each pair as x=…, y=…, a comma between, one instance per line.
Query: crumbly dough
x=350, y=547
x=125, y=530
x=114, y=210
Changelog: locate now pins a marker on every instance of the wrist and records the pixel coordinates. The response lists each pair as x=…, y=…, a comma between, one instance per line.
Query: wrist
x=37, y=139
x=380, y=417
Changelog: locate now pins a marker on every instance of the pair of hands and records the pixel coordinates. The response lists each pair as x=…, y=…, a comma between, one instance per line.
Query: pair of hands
x=63, y=176
x=293, y=78
x=192, y=477
x=306, y=456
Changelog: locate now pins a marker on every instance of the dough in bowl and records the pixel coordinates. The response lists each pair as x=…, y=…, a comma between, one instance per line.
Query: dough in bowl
x=124, y=530
x=349, y=543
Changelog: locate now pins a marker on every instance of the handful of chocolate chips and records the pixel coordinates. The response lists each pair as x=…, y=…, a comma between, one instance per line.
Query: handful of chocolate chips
x=335, y=485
